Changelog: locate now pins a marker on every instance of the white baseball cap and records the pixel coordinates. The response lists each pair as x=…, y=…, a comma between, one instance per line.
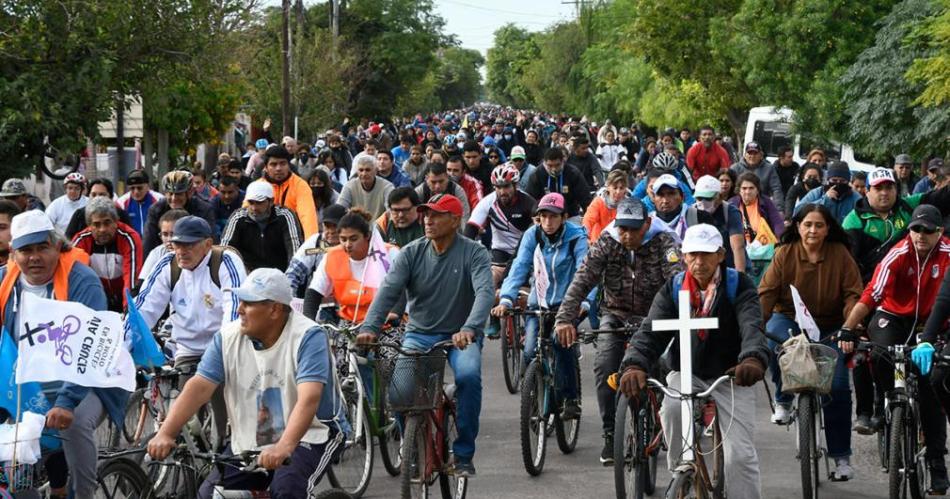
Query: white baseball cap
x=264, y=284
x=707, y=187
x=30, y=227
x=879, y=176
x=666, y=180
x=702, y=238
x=259, y=191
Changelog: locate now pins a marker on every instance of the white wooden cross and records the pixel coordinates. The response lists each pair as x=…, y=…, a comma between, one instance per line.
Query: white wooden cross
x=686, y=325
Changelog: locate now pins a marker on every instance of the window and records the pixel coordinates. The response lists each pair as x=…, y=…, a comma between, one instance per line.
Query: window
x=772, y=136
x=832, y=150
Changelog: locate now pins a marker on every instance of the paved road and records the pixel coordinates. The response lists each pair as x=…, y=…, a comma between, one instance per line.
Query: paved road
x=501, y=473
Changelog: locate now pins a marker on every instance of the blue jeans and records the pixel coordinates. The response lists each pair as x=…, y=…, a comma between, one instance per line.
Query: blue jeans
x=836, y=406
x=565, y=377
x=467, y=366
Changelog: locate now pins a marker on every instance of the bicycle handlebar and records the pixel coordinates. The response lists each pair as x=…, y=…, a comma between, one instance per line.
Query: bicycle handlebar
x=443, y=345
x=674, y=393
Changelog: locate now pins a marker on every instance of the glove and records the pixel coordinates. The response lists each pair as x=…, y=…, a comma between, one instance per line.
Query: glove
x=845, y=334
x=923, y=357
x=633, y=381
x=748, y=372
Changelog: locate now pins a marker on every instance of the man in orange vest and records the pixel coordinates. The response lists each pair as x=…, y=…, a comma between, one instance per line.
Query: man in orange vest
x=46, y=265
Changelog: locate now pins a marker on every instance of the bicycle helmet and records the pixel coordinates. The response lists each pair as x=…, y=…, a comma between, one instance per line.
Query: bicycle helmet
x=505, y=175
x=665, y=161
x=177, y=181
x=75, y=178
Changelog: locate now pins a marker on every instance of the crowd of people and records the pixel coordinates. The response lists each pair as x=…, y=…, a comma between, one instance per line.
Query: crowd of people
x=466, y=208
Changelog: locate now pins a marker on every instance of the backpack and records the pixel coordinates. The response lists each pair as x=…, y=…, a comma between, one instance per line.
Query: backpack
x=692, y=217
x=214, y=264
x=540, y=240
x=732, y=285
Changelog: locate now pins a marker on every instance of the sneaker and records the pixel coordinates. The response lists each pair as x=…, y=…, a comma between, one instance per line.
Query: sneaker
x=843, y=470
x=862, y=425
x=938, y=477
x=572, y=410
x=464, y=468
x=607, y=454
x=492, y=332
x=782, y=414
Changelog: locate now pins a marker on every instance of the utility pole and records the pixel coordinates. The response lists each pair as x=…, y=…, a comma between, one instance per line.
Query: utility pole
x=335, y=22
x=285, y=75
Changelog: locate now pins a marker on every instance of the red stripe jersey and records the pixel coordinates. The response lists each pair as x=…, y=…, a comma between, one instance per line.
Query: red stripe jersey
x=905, y=284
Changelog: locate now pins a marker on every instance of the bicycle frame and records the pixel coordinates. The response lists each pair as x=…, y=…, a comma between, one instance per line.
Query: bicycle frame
x=689, y=458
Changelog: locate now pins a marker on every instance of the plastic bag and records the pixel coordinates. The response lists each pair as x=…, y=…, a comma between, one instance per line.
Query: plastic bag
x=806, y=366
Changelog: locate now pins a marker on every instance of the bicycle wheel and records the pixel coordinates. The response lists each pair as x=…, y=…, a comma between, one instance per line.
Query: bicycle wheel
x=352, y=469
x=533, y=420
x=807, y=453
x=414, y=479
x=914, y=465
x=122, y=479
x=511, y=354
x=137, y=412
x=566, y=431
x=108, y=436
x=453, y=486
x=390, y=439
x=682, y=486
x=895, y=460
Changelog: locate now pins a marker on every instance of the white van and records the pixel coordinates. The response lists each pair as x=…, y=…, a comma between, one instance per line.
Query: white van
x=771, y=128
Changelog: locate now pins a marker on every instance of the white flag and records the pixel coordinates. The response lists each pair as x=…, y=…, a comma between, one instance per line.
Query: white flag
x=803, y=317
x=377, y=262
x=66, y=341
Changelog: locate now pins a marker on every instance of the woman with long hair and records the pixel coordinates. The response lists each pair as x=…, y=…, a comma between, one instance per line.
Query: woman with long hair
x=814, y=256
x=809, y=177
x=322, y=189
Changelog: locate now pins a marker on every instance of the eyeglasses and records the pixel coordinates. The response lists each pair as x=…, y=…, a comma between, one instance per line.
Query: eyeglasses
x=920, y=229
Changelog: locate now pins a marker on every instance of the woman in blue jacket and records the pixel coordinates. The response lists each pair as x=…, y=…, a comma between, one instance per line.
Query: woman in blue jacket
x=551, y=252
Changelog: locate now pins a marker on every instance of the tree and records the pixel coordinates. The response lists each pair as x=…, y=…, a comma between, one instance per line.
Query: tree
x=933, y=72
x=882, y=118
x=458, y=76
x=551, y=78
x=513, y=49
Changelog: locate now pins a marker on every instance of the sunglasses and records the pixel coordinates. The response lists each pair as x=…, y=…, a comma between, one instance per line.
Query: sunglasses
x=919, y=229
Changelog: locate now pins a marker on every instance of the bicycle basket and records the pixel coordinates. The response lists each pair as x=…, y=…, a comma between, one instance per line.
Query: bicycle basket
x=412, y=383
x=19, y=477
x=807, y=366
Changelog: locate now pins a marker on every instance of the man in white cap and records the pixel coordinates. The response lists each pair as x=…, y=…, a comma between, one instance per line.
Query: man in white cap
x=266, y=235
x=736, y=347
x=273, y=362
x=46, y=265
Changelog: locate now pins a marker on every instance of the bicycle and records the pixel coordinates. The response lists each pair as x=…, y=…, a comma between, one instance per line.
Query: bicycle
x=540, y=403
x=416, y=390
x=368, y=414
x=512, y=344
x=692, y=478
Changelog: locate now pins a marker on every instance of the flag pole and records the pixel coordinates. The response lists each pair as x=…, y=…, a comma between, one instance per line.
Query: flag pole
x=16, y=437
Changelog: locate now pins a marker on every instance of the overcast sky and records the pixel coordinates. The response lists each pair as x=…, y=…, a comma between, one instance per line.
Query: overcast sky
x=475, y=21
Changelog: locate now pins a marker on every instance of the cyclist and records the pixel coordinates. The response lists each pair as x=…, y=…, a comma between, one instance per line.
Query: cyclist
x=272, y=361
x=555, y=176
x=510, y=212
x=114, y=248
x=265, y=234
x=449, y=285
x=630, y=261
x=179, y=195
x=901, y=295
x=311, y=252
x=561, y=246
x=672, y=208
x=61, y=209
x=190, y=282
x=400, y=224
x=737, y=346
x=44, y=264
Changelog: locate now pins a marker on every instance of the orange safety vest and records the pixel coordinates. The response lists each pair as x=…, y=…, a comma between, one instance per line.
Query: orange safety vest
x=346, y=288
x=60, y=277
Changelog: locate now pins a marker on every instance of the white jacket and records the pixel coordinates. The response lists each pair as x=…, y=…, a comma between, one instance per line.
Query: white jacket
x=61, y=210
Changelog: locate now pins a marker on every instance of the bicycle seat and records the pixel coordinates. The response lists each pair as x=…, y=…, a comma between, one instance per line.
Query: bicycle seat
x=450, y=390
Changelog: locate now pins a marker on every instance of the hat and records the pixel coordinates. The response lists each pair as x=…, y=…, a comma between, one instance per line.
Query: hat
x=190, y=229
x=30, y=227
x=667, y=180
x=332, y=214
x=879, y=176
x=320, y=144
x=839, y=169
x=517, y=152
x=903, y=159
x=443, y=203
x=261, y=143
x=926, y=216
x=13, y=187
x=707, y=187
x=259, y=191
x=630, y=214
x=264, y=284
x=753, y=147
x=935, y=164
x=702, y=238
x=552, y=202
x=136, y=177
x=375, y=129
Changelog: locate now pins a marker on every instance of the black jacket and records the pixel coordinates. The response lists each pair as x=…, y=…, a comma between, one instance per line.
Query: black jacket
x=195, y=206
x=78, y=221
x=272, y=245
x=589, y=167
x=739, y=334
x=570, y=184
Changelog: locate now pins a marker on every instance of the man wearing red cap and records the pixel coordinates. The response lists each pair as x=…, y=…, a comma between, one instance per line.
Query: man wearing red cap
x=449, y=285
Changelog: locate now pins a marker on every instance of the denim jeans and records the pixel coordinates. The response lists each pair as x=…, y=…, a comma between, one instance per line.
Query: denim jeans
x=467, y=366
x=836, y=406
x=565, y=377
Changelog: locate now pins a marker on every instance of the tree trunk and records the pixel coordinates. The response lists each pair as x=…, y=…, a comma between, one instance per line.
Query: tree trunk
x=737, y=120
x=162, y=154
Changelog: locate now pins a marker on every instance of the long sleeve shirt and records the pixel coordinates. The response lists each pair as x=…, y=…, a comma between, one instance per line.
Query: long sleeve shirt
x=448, y=292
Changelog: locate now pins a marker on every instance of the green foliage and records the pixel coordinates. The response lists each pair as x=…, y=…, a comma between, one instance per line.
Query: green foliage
x=551, y=77
x=513, y=50
x=458, y=78
x=933, y=71
x=882, y=119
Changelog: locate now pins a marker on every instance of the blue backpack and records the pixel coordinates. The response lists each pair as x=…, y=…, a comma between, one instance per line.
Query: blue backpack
x=732, y=284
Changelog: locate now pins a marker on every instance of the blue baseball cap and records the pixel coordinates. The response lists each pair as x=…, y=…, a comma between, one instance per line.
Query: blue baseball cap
x=191, y=229
x=261, y=143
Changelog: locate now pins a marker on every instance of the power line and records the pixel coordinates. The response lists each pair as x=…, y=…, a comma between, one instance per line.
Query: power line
x=500, y=11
